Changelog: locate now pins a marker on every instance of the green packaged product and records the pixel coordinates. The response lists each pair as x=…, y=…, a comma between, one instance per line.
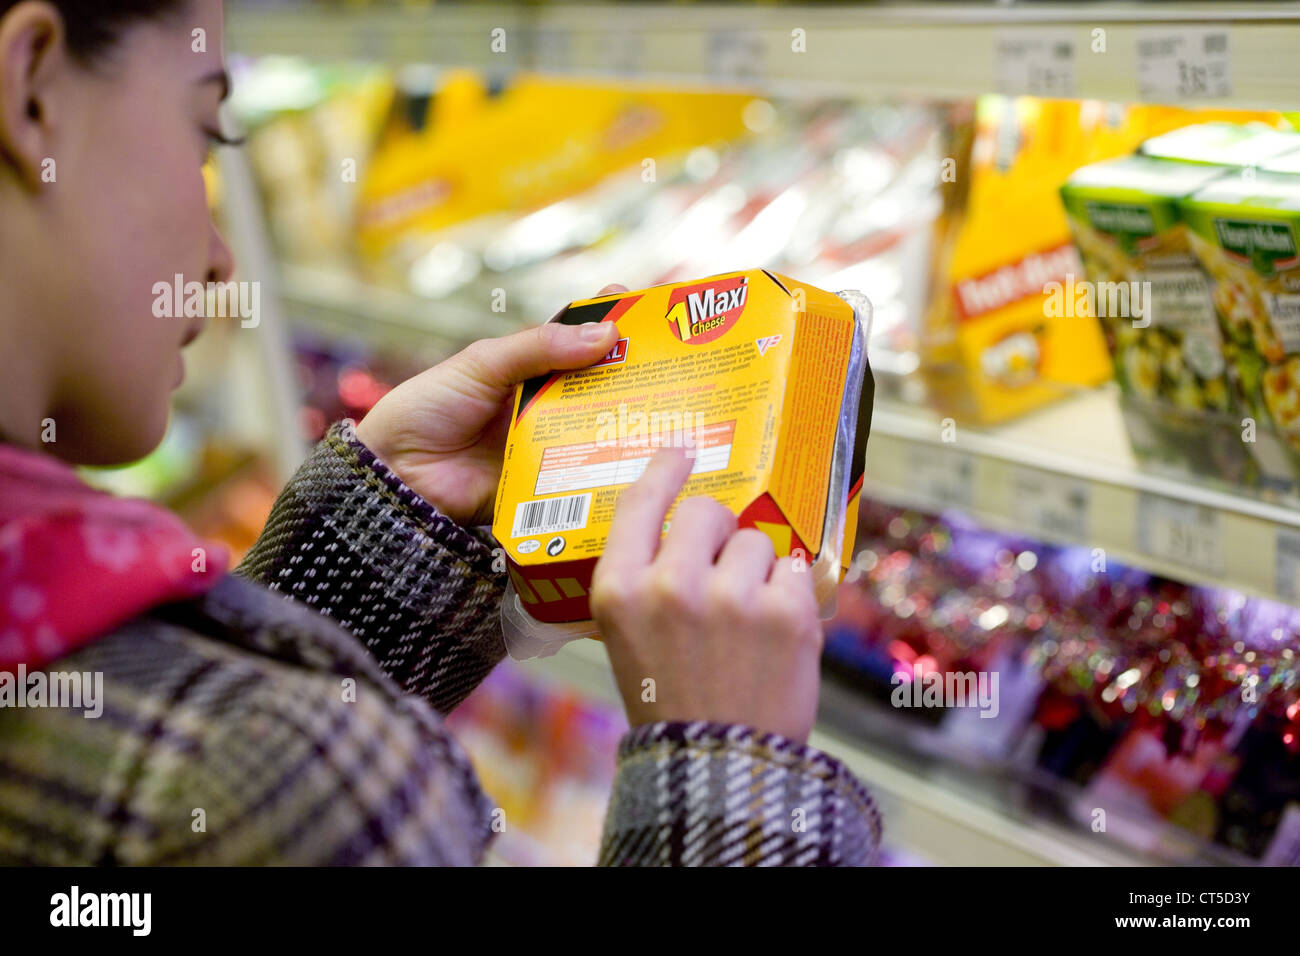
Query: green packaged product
x=1222, y=144
x=1243, y=228
x=1288, y=163
x=1124, y=216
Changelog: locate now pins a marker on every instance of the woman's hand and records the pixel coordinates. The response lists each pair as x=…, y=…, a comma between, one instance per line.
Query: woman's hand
x=726, y=632
x=443, y=432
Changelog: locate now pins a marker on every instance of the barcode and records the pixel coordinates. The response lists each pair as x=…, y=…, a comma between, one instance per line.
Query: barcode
x=551, y=514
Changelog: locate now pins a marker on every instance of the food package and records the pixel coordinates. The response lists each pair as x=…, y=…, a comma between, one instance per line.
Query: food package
x=1288, y=163
x=540, y=140
x=764, y=380
x=1243, y=228
x=991, y=350
x=311, y=131
x=1222, y=144
x=1148, y=290
x=994, y=345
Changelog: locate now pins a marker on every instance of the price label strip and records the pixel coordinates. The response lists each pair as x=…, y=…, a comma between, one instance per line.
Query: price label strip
x=1054, y=506
x=941, y=477
x=1181, y=533
x=1288, y=565
x=554, y=49
x=1184, y=63
x=626, y=53
x=735, y=56
x=1036, y=63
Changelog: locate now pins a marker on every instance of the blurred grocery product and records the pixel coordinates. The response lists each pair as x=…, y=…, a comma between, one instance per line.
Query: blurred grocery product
x=1154, y=302
x=536, y=141
x=547, y=757
x=312, y=129
x=840, y=192
x=1244, y=230
x=1092, y=664
x=1239, y=144
x=993, y=349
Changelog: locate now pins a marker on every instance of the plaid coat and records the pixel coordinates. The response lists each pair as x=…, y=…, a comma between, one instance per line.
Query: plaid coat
x=244, y=728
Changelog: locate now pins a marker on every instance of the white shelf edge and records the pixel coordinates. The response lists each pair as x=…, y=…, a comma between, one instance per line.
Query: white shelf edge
x=888, y=419
x=1118, y=490
x=313, y=291
x=1250, y=527
x=909, y=49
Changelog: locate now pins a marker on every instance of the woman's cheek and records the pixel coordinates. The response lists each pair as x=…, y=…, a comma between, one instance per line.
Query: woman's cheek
x=177, y=196
x=181, y=233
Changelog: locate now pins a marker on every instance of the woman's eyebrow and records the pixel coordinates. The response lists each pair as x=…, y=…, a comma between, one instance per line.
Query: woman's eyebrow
x=220, y=77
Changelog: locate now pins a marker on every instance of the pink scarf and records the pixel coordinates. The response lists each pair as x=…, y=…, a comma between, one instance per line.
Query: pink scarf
x=75, y=563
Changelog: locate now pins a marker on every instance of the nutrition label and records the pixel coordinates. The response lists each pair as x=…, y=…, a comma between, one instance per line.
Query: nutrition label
x=1284, y=313
x=594, y=464
x=1180, y=300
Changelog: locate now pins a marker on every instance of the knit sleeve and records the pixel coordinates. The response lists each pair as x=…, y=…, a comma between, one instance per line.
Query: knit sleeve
x=289, y=748
x=349, y=539
x=704, y=794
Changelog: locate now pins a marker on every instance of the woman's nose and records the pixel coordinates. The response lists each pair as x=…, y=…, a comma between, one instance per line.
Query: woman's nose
x=221, y=261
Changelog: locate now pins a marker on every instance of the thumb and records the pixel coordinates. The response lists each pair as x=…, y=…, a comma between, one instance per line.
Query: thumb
x=554, y=347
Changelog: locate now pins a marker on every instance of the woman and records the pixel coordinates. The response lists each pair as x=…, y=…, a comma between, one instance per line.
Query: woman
x=239, y=726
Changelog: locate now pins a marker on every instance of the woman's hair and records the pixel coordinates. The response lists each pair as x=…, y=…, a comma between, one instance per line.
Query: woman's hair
x=93, y=25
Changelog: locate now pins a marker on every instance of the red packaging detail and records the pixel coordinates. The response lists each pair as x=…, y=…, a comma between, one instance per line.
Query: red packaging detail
x=1000, y=287
x=701, y=313
x=555, y=593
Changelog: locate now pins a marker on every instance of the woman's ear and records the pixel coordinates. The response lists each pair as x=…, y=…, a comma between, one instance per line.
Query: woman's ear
x=33, y=60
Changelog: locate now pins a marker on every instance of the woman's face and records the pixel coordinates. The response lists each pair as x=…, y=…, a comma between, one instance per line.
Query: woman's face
x=126, y=210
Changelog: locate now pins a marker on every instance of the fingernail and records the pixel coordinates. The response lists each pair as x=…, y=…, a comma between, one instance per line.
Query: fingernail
x=593, y=332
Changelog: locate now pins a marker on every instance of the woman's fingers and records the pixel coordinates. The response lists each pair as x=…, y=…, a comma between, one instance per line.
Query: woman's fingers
x=504, y=362
x=501, y=363
x=790, y=587
x=633, y=539
x=699, y=529
x=747, y=558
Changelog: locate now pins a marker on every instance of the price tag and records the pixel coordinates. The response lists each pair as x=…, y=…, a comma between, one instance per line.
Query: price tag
x=553, y=49
x=371, y=47
x=1180, y=533
x=626, y=52
x=1288, y=565
x=1054, y=506
x=1036, y=63
x=1183, y=63
x=941, y=477
x=735, y=55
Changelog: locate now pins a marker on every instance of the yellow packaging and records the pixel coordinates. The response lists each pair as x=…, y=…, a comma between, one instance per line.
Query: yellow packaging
x=993, y=351
x=994, y=345
x=761, y=378
x=540, y=140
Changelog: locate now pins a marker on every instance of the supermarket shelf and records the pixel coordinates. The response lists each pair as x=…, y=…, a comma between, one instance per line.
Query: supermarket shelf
x=335, y=302
x=910, y=50
x=1065, y=474
x=449, y=35
x=929, y=817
